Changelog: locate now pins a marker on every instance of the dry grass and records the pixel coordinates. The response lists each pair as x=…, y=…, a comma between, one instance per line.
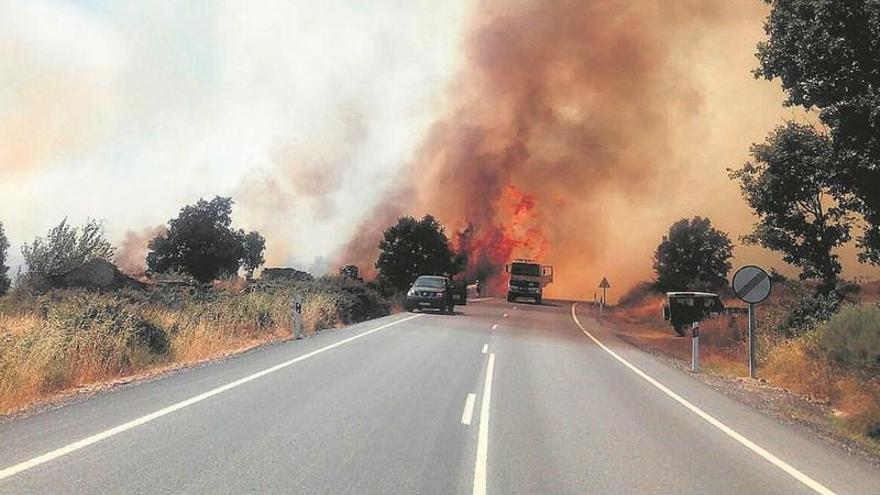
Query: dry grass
x=793, y=362
x=69, y=339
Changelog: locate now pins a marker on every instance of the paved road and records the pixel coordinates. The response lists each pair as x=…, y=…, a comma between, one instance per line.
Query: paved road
x=500, y=399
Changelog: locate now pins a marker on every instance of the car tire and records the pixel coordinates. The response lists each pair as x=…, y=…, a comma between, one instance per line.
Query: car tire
x=538, y=300
x=680, y=330
x=510, y=298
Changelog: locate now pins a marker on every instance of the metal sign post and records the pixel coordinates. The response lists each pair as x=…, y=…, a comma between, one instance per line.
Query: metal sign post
x=752, y=285
x=753, y=324
x=604, y=285
x=296, y=307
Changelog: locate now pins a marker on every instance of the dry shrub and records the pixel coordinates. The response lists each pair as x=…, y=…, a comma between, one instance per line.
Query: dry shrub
x=792, y=364
x=860, y=402
x=320, y=311
x=851, y=338
x=66, y=339
x=234, y=285
x=82, y=338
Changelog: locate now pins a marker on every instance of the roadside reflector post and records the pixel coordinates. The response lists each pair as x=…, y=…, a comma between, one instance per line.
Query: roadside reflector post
x=296, y=307
x=695, y=347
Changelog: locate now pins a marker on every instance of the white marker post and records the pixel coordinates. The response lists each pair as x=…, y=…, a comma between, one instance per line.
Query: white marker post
x=752, y=285
x=695, y=347
x=296, y=307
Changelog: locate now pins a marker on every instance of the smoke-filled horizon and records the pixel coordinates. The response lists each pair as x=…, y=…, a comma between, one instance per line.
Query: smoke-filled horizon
x=571, y=131
x=578, y=131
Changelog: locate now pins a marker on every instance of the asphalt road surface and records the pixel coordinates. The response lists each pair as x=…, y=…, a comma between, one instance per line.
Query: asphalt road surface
x=500, y=398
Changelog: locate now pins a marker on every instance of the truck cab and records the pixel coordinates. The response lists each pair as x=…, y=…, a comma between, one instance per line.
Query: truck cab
x=527, y=279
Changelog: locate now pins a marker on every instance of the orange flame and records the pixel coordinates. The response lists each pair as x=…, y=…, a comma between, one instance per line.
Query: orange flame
x=518, y=234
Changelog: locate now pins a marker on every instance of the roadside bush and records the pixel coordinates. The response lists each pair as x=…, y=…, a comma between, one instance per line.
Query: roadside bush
x=851, y=338
x=637, y=293
x=804, y=310
x=68, y=338
x=100, y=315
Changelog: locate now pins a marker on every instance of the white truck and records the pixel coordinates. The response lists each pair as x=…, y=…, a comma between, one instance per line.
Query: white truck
x=527, y=279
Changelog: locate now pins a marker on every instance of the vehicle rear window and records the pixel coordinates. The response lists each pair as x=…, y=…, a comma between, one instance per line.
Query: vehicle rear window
x=436, y=282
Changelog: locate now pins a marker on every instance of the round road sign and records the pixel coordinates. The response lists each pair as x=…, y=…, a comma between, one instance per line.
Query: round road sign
x=751, y=284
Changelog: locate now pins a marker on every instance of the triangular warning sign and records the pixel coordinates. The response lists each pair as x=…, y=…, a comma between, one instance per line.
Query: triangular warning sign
x=604, y=284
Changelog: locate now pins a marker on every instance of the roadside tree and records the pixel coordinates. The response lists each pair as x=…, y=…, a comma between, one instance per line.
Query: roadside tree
x=790, y=185
x=412, y=248
x=693, y=256
x=66, y=247
x=202, y=243
x=253, y=246
x=826, y=55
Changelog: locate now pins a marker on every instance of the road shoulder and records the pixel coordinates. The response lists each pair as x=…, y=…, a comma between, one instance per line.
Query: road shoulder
x=803, y=413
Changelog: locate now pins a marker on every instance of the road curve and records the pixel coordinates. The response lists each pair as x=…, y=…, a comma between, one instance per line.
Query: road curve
x=500, y=398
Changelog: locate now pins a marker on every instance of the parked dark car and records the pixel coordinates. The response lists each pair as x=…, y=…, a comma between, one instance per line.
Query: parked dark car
x=435, y=292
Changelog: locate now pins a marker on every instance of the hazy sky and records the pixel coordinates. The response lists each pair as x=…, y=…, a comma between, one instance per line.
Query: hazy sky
x=127, y=110
x=306, y=112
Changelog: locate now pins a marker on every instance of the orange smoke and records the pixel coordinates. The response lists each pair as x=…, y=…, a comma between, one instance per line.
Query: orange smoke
x=131, y=257
x=566, y=133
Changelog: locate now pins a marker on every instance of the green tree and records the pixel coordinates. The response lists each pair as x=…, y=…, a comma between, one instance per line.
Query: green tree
x=66, y=247
x=4, y=277
x=693, y=256
x=254, y=245
x=202, y=243
x=412, y=248
x=826, y=54
x=790, y=184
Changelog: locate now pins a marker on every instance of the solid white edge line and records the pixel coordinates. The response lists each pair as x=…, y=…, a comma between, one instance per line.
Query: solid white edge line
x=467, y=414
x=793, y=472
x=483, y=435
x=85, y=442
x=480, y=299
x=485, y=348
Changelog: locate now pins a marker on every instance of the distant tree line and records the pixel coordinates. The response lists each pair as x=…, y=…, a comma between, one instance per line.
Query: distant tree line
x=199, y=242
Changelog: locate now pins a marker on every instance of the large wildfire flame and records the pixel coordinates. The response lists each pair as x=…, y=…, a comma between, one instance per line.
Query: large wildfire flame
x=561, y=132
x=521, y=236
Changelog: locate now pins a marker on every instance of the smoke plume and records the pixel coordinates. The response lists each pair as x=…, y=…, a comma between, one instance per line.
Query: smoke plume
x=131, y=257
x=566, y=134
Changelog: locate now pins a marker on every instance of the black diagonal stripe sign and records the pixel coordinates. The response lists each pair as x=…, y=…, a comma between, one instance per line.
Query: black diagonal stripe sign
x=751, y=284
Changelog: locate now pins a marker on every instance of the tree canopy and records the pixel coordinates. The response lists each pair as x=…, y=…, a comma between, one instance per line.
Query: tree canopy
x=66, y=247
x=826, y=54
x=693, y=256
x=411, y=248
x=202, y=243
x=790, y=185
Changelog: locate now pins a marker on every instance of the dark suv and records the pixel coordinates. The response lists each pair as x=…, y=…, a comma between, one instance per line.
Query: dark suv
x=433, y=292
